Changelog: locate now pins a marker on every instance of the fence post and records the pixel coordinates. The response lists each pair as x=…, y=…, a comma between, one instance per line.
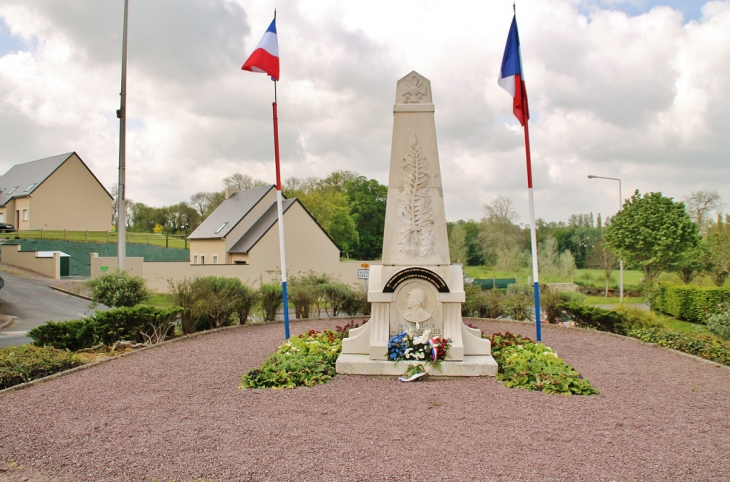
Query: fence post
x=64, y=235
x=107, y=237
x=86, y=235
x=167, y=243
x=41, y=234
x=148, y=238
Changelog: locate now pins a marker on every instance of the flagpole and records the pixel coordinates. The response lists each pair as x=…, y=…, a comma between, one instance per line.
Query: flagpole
x=280, y=212
x=533, y=233
x=122, y=115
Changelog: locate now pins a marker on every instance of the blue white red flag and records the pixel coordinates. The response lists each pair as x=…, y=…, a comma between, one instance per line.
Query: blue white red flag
x=265, y=57
x=511, y=76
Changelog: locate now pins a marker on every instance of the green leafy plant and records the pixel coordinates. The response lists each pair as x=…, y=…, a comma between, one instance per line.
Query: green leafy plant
x=118, y=288
x=593, y=317
x=20, y=364
x=337, y=294
x=719, y=321
x=482, y=303
x=518, y=303
x=704, y=346
x=306, y=360
x=64, y=335
x=523, y=363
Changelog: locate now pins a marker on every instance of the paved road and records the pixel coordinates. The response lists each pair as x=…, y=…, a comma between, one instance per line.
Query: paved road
x=32, y=302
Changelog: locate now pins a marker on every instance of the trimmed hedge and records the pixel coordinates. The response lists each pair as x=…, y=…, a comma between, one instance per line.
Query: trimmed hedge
x=700, y=345
x=20, y=364
x=690, y=303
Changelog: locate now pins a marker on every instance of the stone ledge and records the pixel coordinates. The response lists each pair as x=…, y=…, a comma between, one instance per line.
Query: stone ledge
x=471, y=366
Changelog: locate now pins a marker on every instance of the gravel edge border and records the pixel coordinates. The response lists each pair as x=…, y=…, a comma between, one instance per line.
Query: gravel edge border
x=216, y=330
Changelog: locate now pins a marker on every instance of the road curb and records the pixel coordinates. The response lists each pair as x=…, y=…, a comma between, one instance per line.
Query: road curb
x=70, y=293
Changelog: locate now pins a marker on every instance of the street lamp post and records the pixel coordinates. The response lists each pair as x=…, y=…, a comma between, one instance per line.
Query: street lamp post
x=621, y=261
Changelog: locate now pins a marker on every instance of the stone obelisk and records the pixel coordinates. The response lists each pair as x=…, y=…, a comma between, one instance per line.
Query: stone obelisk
x=416, y=287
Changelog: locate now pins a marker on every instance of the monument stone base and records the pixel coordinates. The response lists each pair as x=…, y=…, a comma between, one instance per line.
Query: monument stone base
x=470, y=366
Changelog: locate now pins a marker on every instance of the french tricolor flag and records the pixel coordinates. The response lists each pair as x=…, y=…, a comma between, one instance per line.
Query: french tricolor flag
x=511, y=77
x=265, y=57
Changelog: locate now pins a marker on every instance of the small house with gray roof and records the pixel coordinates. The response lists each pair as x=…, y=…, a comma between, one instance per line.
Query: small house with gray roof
x=54, y=193
x=243, y=230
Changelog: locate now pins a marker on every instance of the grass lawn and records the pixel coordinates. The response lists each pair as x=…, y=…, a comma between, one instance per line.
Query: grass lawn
x=163, y=240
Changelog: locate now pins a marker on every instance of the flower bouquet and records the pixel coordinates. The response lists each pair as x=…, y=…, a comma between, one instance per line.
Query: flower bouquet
x=422, y=350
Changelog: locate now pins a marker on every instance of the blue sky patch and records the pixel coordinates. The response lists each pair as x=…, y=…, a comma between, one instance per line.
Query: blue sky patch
x=10, y=43
x=691, y=9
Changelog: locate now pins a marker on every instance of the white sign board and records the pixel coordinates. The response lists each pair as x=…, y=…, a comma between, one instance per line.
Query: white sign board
x=363, y=274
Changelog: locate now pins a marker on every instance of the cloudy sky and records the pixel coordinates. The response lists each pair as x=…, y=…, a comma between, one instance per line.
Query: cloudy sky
x=632, y=89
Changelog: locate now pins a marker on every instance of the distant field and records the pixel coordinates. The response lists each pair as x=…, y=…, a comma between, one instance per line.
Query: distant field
x=586, y=277
x=164, y=240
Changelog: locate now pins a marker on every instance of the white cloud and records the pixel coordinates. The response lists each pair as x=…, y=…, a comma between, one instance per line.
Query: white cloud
x=616, y=89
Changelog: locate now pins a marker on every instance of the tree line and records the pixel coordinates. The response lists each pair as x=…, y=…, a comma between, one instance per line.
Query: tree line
x=651, y=233
x=348, y=206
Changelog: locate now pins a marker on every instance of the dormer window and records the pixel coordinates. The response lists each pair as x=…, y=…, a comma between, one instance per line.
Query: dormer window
x=12, y=190
x=221, y=228
x=30, y=187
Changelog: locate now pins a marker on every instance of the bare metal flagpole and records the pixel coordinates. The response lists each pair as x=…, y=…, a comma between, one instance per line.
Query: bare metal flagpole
x=122, y=115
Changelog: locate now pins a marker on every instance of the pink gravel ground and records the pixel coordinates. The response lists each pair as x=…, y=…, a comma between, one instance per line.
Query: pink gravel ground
x=175, y=413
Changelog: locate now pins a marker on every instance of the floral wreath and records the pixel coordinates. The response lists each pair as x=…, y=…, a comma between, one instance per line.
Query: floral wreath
x=419, y=348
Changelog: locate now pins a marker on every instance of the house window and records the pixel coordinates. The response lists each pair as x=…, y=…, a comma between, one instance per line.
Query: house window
x=30, y=187
x=221, y=228
x=202, y=259
x=24, y=215
x=195, y=259
x=12, y=190
x=215, y=259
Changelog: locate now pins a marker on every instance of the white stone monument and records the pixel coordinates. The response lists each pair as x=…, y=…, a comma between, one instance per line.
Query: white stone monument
x=416, y=287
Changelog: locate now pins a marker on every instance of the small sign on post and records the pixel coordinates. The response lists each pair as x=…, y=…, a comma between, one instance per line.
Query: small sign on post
x=363, y=274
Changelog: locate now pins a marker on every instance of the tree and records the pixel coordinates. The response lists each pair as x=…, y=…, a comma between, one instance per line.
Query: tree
x=457, y=242
x=694, y=262
x=366, y=199
x=699, y=205
x=718, y=246
x=499, y=236
x=206, y=202
x=242, y=182
x=604, y=259
x=652, y=231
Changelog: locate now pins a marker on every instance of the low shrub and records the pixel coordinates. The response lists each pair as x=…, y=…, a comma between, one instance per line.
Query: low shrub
x=518, y=303
x=271, y=296
x=357, y=302
x=534, y=366
x=307, y=360
x=636, y=318
x=144, y=324
x=550, y=301
x=337, y=294
x=118, y=288
x=190, y=294
x=719, y=321
x=64, y=335
x=593, y=317
x=482, y=303
x=220, y=298
x=704, y=346
x=303, y=294
x=246, y=299
x=20, y=364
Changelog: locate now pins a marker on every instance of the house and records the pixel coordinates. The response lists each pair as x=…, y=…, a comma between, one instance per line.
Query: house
x=54, y=193
x=243, y=230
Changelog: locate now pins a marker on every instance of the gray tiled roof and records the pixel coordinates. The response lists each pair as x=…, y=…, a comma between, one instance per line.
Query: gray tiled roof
x=231, y=211
x=23, y=176
x=260, y=227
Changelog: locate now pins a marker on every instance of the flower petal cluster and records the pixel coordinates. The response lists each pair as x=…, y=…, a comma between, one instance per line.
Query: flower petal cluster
x=418, y=346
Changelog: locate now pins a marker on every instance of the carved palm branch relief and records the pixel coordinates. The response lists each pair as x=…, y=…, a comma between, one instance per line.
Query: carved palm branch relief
x=414, y=206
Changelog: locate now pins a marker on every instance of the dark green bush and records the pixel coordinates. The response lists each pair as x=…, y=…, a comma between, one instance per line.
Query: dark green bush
x=356, y=303
x=303, y=293
x=593, y=317
x=20, y=364
x=246, y=299
x=271, y=297
x=550, y=301
x=143, y=324
x=65, y=335
x=704, y=346
x=220, y=301
x=690, y=303
x=190, y=294
x=118, y=288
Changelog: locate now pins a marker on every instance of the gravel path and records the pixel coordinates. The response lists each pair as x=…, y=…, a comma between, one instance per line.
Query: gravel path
x=175, y=413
